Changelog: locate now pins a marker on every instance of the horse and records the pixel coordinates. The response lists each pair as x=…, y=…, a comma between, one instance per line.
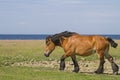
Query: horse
x=83, y=45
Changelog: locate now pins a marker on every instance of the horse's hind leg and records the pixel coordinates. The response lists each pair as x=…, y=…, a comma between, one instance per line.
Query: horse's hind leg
x=115, y=67
x=76, y=66
x=101, y=64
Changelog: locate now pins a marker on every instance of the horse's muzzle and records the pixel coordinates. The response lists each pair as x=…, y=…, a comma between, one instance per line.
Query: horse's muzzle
x=46, y=54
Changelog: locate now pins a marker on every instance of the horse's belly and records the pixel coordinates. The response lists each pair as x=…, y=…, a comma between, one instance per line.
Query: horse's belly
x=86, y=53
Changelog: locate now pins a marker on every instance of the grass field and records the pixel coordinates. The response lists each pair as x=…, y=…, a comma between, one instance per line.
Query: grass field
x=16, y=51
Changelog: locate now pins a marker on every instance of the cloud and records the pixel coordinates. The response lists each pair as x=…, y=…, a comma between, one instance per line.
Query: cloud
x=67, y=2
x=75, y=15
x=74, y=2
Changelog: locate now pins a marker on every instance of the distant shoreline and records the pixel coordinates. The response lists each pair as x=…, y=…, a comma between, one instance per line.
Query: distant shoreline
x=38, y=37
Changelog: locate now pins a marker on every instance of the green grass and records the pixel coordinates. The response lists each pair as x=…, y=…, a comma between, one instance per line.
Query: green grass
x=12, y=51
x=30, y=73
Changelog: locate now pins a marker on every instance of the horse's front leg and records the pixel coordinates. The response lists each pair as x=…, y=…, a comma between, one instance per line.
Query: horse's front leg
x=62, y=63
x=76, y=66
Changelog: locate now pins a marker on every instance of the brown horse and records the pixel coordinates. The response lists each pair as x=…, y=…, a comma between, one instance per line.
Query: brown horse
x=75, y=44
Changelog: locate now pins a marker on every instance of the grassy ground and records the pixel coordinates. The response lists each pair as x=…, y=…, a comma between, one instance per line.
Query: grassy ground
x=30, y=73
x=12, y=51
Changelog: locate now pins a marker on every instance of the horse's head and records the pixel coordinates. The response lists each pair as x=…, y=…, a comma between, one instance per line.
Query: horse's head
x=55, y=40
x=50, y=46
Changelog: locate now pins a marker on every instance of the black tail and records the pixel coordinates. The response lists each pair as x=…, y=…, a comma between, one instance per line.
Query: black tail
x=113, y=43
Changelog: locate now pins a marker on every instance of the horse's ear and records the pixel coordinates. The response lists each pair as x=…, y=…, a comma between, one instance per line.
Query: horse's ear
x=48, y=38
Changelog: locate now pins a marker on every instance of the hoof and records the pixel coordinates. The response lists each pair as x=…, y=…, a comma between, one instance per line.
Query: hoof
x=76, y=71
x=115, y=73
x=98, y=72
x=61, y=69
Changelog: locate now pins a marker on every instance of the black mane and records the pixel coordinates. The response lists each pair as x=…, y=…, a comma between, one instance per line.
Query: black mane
x=57, y=37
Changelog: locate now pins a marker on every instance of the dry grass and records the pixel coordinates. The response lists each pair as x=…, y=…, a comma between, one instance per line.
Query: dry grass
x=27, y=50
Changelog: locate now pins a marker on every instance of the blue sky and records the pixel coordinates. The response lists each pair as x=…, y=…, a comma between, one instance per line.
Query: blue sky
x=53, y=16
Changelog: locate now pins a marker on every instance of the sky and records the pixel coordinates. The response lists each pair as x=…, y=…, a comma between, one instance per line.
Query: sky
x=54, y=16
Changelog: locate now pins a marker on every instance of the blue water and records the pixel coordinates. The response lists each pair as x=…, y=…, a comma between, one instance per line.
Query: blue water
x=22, y=37
x=37, y=37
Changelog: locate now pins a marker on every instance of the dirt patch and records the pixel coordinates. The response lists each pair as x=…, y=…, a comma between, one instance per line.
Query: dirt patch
x=85, y=66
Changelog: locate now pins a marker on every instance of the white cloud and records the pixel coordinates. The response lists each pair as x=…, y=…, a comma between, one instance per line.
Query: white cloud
x=74, y=2
x=71, y=2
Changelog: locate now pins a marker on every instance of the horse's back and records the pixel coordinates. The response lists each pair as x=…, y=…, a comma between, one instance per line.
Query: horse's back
x=91, y=39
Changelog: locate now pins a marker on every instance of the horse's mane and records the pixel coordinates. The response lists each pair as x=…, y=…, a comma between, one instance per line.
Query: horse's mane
x=57, y=37
x=65, y=34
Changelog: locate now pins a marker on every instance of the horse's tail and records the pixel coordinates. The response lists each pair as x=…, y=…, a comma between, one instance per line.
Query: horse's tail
x=113, y=43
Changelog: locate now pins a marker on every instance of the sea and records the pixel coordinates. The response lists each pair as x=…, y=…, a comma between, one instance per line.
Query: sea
x=38, y=36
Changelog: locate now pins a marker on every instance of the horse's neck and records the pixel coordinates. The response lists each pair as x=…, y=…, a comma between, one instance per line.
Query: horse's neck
x=63, y=42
